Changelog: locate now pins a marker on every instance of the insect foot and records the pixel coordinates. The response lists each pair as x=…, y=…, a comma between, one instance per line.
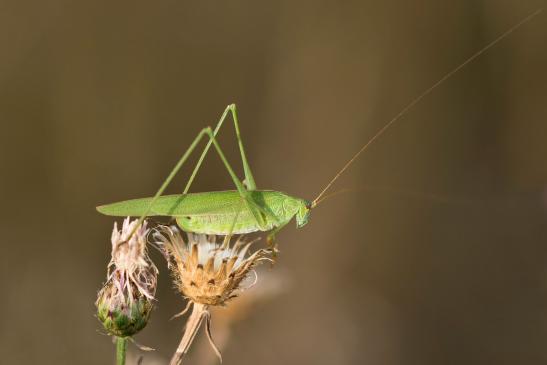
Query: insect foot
x=207, y=272
x=125, y=301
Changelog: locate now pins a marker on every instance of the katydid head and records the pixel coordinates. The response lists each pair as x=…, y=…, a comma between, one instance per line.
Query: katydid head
x=303, y=213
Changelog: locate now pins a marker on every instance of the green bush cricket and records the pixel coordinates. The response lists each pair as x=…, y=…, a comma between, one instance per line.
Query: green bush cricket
x=248, y=209
x=239, y=211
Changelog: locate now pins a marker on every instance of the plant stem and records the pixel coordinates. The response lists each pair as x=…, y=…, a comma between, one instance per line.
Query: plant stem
x=199, y=312
x=121, y=347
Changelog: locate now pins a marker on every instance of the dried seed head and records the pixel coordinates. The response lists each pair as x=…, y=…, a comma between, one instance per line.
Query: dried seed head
x=126, y=300
x=206, y=271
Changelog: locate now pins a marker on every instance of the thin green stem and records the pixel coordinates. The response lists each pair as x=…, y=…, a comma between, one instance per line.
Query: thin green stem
x=121, y=348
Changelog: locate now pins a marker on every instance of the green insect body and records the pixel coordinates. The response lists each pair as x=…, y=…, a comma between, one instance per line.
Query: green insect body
x=239, y=211
x=218, y=212
x=247, y=209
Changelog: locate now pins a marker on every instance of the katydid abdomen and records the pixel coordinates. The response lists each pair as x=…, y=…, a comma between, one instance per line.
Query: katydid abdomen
x=217, y=212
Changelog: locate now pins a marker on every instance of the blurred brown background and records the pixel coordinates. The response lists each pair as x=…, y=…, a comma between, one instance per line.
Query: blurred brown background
x=98, y=99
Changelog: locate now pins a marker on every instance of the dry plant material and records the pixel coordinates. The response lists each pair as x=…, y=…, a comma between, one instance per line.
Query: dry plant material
x=125, y=301
x=208, y=273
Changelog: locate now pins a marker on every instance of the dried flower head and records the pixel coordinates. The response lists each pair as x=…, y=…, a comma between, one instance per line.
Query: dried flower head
x=126, y=300
x=208, y=272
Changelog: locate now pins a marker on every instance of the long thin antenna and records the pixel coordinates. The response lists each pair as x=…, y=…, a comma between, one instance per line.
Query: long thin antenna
x=420, y=97
x=437, y=198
